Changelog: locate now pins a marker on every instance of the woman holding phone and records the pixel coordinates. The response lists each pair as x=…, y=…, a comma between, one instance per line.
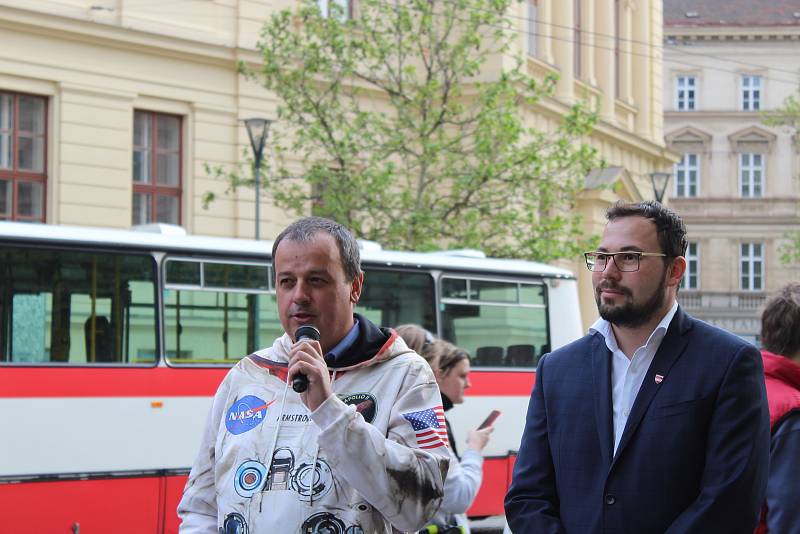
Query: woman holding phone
x=451, y=367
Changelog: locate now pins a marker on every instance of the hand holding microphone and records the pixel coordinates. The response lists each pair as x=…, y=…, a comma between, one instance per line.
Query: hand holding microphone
x=308, y=369
x=310, y=333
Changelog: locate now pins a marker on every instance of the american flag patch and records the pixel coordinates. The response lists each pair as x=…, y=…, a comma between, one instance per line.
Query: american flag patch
x=429, y=427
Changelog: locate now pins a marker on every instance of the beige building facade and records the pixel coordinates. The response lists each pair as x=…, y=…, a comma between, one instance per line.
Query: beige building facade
x=110, y=110
x=727, y=64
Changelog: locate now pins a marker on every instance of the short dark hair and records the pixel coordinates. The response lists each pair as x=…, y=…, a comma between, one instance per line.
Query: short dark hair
x=669, y=227
x=780, y=322
x=305, y=230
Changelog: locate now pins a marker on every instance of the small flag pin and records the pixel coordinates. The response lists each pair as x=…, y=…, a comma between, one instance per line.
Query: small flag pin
x=659, y=378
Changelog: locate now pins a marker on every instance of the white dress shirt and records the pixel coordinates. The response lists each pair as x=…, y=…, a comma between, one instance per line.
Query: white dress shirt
x=627, y=375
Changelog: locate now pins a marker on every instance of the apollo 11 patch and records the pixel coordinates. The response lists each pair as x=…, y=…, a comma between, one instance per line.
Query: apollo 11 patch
x=365, y=404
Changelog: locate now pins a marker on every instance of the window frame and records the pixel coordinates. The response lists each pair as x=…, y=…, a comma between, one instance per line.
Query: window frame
x=81, y=249
x=689, y=180
x=750, y=90
x=686, y=92
x=17, y=176
x=692, y=267
x=442, y=301
x=750, y=169
x=751, y=259
x=372, y=270
x=203, y=287
x=154, y=189
x=325, y=8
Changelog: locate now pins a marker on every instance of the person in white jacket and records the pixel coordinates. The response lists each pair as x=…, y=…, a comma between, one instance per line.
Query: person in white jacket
x=363, y=450
x=451, y=367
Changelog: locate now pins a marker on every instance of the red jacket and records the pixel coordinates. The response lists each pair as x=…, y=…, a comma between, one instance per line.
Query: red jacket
x=782, y=377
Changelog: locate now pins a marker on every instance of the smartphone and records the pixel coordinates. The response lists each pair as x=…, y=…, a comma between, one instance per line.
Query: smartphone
x=490, y=419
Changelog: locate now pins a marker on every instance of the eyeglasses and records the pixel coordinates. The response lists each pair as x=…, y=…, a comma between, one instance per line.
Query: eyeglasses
x=626, y=262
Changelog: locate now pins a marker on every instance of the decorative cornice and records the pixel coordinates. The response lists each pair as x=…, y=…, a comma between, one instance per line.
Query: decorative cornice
x=104, y=92
x=688, y=134
x=111, y=35
x=752, y=138
x=731, y=33
x=688, y=138
x=738, y=115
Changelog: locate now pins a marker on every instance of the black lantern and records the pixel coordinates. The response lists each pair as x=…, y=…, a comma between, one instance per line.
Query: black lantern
x=660, y=181
x=258, y=130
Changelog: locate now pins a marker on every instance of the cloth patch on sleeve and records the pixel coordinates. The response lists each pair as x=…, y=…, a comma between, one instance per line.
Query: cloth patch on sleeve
x=429, y=427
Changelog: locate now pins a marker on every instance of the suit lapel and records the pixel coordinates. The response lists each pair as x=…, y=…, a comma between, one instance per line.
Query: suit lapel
x=672, y=346
x=601, y=378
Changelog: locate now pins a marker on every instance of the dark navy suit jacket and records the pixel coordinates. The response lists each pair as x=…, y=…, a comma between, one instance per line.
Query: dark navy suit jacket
x=693, y=456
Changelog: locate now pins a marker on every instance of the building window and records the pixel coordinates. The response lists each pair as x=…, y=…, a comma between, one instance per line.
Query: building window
x=23, y=166
x=533, y=30
x=685, y=90
x=578, y=40
x=751, y=267
x=691, y=278
x=341, y=9
x=751, y=175
x=687, y=173
x=156, y=168
x=751, y=93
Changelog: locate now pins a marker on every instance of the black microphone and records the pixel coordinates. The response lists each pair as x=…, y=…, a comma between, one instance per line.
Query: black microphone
x=300, y=381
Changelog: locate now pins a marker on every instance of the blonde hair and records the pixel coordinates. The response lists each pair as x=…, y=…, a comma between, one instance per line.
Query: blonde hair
x=449, y=355
x=417, y=338
x=441, y=355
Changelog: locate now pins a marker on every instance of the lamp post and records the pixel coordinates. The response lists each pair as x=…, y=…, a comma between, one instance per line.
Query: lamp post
x=257, y=130
x=660, y=180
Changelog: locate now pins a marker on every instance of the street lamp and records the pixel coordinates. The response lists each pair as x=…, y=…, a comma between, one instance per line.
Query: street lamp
x=258, y=130
x=660, y=180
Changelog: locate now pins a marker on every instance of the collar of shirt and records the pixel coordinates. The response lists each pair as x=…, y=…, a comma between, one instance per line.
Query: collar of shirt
x=346, y=342
x=627, y=374
x=603, y=327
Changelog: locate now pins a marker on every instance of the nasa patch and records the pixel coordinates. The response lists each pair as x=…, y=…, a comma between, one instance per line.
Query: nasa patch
x=249, y=478
x=365, y=404
x=246, y=414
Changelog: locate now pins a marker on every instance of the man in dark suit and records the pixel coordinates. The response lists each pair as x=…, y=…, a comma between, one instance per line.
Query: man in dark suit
x=654, y=421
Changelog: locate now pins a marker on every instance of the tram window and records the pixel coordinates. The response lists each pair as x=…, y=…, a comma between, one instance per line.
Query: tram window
x=59, y=306
x=490, y=291
x=183, y=272
x=392, y=298
x=211, y=308
x=531, y=294
x=454, y=288
x=217, y=327
x=238, y=276
x=500, y=323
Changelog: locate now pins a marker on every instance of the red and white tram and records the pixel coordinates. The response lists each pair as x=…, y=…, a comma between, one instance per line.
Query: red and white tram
x=112, y=344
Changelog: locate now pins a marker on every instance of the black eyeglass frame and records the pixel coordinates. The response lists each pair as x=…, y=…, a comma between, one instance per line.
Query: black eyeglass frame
x=597, y=254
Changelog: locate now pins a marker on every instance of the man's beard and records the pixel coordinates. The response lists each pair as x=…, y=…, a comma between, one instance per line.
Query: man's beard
x=630, y=314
